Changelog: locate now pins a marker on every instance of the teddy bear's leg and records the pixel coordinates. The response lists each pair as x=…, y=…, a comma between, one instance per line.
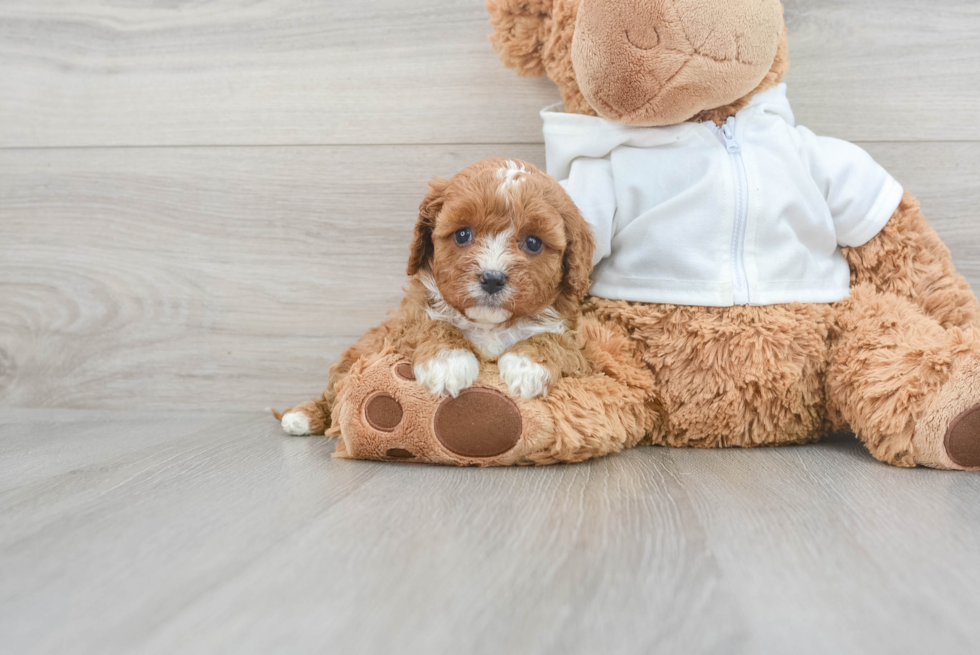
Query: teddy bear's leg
x=382, y=413
x=615, y=408
x=732, y=376
x=909, y=388
x=313, y=416
x=908, y=259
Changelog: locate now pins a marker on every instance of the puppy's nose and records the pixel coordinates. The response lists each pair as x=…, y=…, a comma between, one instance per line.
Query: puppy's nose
x=493, y=281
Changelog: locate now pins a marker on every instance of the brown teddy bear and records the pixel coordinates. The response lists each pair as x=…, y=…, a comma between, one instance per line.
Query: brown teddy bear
x=754, y=284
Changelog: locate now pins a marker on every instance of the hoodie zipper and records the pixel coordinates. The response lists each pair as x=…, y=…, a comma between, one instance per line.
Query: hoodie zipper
x=740, y=282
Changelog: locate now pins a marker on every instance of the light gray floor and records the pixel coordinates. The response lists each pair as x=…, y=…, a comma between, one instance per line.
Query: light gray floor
x=207, y=532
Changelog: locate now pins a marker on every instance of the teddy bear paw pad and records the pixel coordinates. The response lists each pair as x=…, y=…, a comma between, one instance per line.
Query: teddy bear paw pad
x=963, y=438
x=383, y=412
x=479, y=422
x=405, y=372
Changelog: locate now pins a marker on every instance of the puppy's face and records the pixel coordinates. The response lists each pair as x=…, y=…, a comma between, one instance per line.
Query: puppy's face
x=498, y=239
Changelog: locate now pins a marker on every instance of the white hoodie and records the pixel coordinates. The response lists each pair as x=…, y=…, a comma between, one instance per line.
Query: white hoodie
x=752, y=213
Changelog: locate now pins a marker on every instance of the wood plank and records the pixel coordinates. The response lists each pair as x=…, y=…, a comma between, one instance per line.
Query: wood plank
x=880, y=70
x=857, y=540
x=227, y=277
x=93, y=72
x=238, y=539
x=944, y=177
x=231, y=278
x=73, y=440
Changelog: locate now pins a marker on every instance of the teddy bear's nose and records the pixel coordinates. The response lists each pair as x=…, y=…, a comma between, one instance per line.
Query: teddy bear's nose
x=643, y=35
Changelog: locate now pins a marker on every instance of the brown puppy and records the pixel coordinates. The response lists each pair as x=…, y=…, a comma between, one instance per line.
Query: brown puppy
x=499, y=266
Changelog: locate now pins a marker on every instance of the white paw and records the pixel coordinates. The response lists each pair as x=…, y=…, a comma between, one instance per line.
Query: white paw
x=449, y=372
x=296, y=424
x=522, y=376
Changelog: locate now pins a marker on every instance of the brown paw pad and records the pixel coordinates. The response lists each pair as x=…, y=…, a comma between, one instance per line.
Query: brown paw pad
x=405, y=372
x=480, y=422
x=382, y=412
x=963, y=438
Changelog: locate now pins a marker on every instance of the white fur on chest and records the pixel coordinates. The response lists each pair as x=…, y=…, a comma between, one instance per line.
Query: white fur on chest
x=491, y=340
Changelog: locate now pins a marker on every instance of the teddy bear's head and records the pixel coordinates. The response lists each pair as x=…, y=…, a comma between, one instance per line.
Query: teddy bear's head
x=646, y=62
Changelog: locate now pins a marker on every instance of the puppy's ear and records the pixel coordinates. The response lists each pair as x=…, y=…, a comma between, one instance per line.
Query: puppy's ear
x=520, y=30
x=421, y=251
x=577, y=263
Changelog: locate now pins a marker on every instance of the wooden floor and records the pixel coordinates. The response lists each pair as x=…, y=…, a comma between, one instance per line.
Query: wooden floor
x=203, y=203
x=211, y=532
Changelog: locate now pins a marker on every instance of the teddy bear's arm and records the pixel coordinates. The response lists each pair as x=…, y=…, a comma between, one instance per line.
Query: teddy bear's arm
x=520, y=29
x=534, y=37
x=907, y=258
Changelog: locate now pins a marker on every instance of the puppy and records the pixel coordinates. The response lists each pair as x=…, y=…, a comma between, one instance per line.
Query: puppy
x=500, y=262
x=498, y=267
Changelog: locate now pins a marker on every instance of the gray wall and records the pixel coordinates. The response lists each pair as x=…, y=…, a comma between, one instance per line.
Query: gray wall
x=202, y=204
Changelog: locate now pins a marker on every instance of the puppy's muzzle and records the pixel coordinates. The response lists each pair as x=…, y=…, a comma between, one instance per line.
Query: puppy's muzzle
x=493, y=282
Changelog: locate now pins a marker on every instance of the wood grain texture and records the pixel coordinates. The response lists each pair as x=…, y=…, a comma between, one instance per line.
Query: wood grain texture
x=882, y=70
x=229, y=537
x=231, y=278
x=228, y=277
x=107, y=72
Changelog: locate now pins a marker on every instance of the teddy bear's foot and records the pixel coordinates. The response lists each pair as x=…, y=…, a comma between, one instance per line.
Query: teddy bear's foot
x=480, y=422
x=382, y=413
x=948, y=434
x=962, y=441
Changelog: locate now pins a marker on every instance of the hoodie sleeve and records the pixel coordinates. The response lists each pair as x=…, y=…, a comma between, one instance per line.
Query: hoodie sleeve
x=590, y=185
x=862, y=196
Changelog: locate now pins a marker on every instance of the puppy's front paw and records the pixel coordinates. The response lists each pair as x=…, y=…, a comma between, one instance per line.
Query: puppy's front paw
x=449, y=372
x=522, y=376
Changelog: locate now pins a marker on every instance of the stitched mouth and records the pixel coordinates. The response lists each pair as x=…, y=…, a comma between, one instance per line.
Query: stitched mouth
x=645, y=107
x=618, y=113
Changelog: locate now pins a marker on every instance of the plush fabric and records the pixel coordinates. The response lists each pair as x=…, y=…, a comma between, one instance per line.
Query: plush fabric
x=682, y=57
x=897, y=361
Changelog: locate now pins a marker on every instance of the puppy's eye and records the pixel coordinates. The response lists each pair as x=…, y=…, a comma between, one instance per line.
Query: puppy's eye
x=533, y=244
x=463, y=236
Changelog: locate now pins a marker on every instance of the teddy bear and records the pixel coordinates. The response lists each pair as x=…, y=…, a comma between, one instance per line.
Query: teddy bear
x=754, y=284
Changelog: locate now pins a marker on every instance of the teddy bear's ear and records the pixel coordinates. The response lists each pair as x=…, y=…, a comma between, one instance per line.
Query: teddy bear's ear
x=422, y=247
x=520, y=29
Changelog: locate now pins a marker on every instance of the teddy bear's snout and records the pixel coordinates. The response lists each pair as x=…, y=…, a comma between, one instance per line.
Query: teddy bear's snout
x=660, y=62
